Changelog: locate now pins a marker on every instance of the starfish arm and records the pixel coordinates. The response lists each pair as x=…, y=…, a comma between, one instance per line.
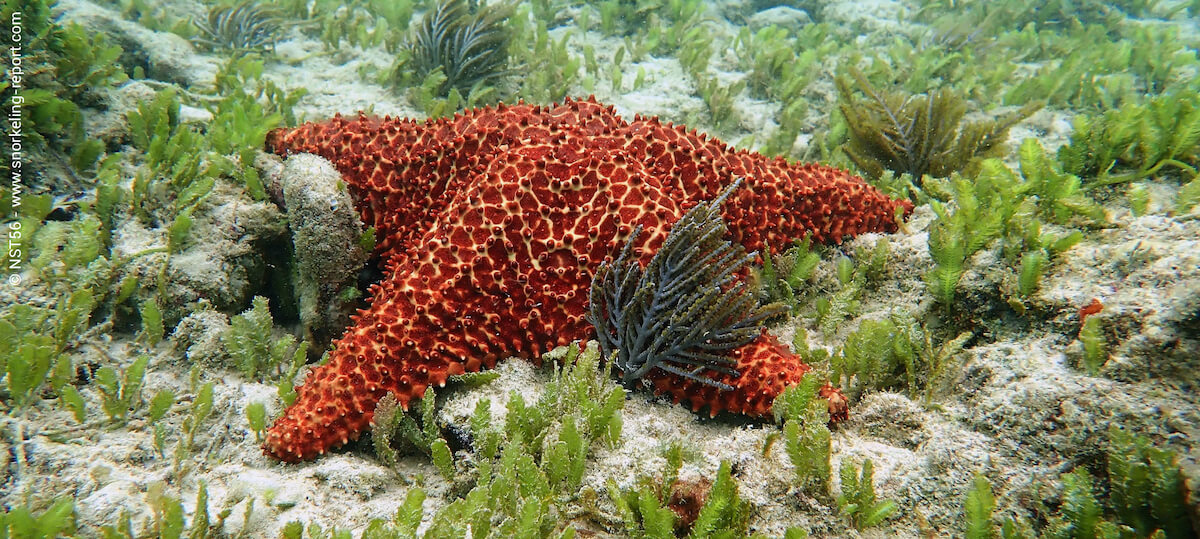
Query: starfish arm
x=765, y=366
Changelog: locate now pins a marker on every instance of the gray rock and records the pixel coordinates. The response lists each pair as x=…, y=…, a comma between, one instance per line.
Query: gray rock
x=193, y=115
x=162, y=55
x=325, y=237
x=784, y=16
x=353, y=476
x=110, y=125
x=223, y=261
x=199, y=335
x=222, y=265
x=110, y=501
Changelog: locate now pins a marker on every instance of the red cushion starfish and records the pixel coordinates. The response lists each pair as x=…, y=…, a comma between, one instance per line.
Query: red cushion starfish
x=492, y=224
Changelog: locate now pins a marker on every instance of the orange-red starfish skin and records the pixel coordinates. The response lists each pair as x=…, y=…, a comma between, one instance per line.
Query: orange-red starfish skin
x=492, y=223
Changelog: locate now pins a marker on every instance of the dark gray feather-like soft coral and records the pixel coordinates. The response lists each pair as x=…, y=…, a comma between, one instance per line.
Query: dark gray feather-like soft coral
x=244, y=26
x=686, y=309
x=469, y=48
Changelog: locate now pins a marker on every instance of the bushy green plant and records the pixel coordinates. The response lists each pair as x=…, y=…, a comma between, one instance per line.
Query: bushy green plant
x=719, y=98
x=71, y=317
x=63, y=65
x=202, y=406
x=1146, y=486
x=174, y=159
x=404, y=524
x=667, y=24
x=549, y=70
x=1158, y=55
x=181, y=165
x=71, y=254
x=894, y=353
x=694, y=51
x=978, y=508
x=791, y=122
x=1029, y=273
x=297, y=530
x=70, y=265
x=962, y=58
x=1099, y=66
x=23, y=215
x=1080, y=80
x=1139, y=199
x=253, y=348
x=782, y=277
x=874, y=356
x=940, y=360
x=1095, y=345
x=111, y=196
x=241, y=79
x=852, y=280
x=806, y=437
x=1145, y=497
x=33, y=342
x=779, y=65
x=764, y=55
x=528, y=469
x=954, y=237
x=1081, y=513
x=160, y=404
x=424, y=96
x=1188, y=198
x=422, y=432
x=999, y=204
x=357, y=23
x=774, y=71
x=623, y=17
x=58, y=520
x=168, y=516
x=152, y=322
x=1065, y=15
x=256, y=418
x=239, y=128
x=1059, y=195
x=646, y=513
x=857, y=500
x=1144, y=138
x=122, y=395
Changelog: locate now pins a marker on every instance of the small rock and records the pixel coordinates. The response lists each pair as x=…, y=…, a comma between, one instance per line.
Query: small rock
x=787, y=17
x=223, y=264
x=353, y=475
x=193, y=115
x=100, y=508
x=199, y=334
